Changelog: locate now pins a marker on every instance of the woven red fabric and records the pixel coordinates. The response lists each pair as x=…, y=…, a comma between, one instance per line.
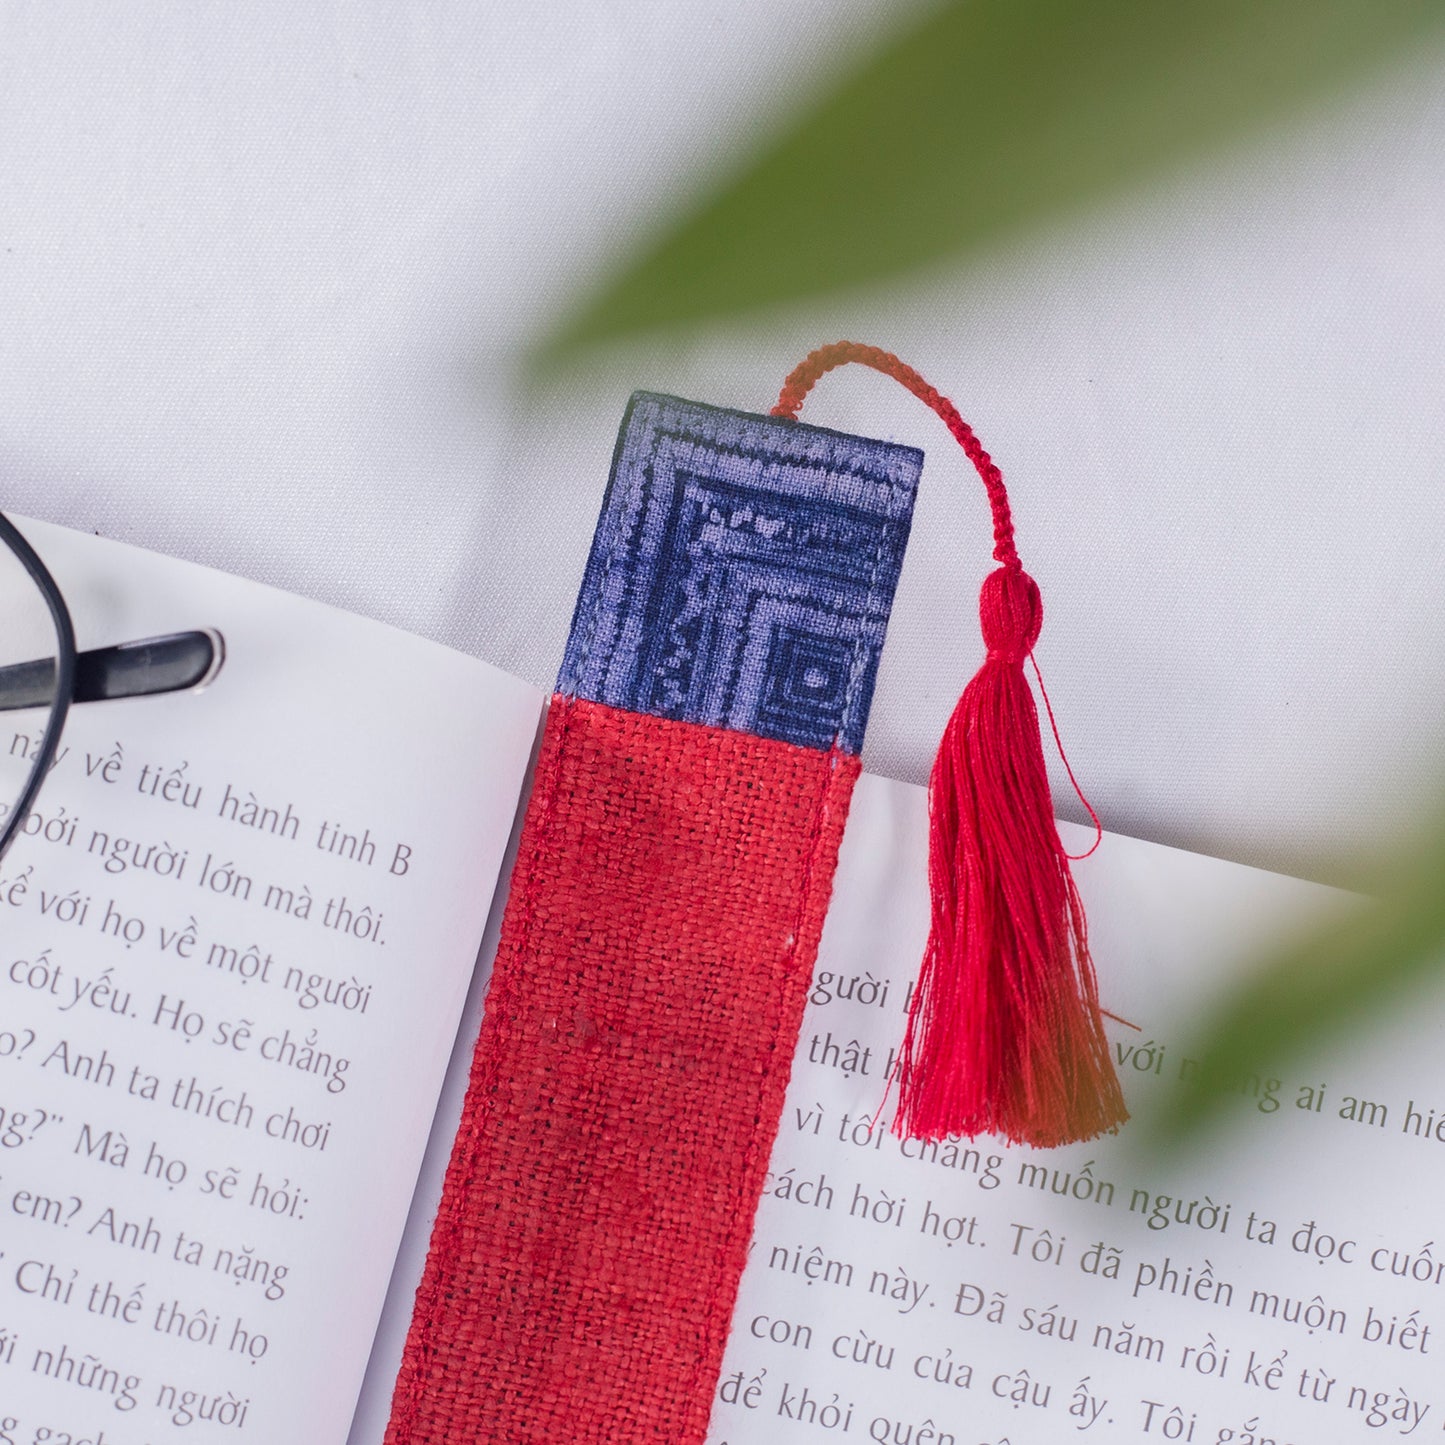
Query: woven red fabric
x=626, y=1090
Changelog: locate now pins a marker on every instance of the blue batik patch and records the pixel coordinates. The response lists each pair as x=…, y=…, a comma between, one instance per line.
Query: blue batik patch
x=742, y=573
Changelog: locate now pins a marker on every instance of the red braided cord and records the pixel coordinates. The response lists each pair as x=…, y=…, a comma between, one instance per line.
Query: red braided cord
x=825, y=358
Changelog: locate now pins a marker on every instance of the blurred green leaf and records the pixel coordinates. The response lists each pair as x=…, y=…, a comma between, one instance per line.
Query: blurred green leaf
x=1323, y=984
x=988, y=116
x=982, y=119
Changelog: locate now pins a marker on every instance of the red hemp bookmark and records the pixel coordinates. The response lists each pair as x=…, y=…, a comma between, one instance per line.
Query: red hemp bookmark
x=673, y=873
x=1005, y=1034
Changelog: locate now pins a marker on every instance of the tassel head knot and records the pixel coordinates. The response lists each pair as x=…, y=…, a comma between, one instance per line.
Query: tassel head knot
x=1011, y=613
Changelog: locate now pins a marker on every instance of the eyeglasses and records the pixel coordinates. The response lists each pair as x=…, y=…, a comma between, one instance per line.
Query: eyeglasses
x=41, y=673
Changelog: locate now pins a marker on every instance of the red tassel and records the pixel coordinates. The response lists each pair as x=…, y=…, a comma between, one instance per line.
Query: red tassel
x=1005, y=1034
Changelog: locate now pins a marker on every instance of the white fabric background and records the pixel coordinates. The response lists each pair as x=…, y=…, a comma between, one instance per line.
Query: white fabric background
x=266, y=272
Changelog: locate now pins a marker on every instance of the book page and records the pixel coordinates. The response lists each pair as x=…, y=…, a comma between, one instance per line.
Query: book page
x=1284, y=1282
x=235, y=943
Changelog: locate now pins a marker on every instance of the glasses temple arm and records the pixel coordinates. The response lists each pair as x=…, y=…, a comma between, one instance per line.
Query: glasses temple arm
x=129, y=669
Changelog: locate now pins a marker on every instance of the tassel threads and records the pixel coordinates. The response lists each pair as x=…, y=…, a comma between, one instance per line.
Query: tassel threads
x=1005, y=1034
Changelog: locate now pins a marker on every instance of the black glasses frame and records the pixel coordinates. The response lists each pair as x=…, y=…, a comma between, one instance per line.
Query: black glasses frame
x=63, y=674
x=181, y=661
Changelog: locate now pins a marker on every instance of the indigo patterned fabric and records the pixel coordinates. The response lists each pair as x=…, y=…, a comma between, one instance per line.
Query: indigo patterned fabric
x=742, y=573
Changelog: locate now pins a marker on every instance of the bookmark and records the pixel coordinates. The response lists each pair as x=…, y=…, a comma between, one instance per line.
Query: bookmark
x=674, y=869
x=675, y=865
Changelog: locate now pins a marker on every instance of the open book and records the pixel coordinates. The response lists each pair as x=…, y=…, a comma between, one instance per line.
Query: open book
x=240, y=945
